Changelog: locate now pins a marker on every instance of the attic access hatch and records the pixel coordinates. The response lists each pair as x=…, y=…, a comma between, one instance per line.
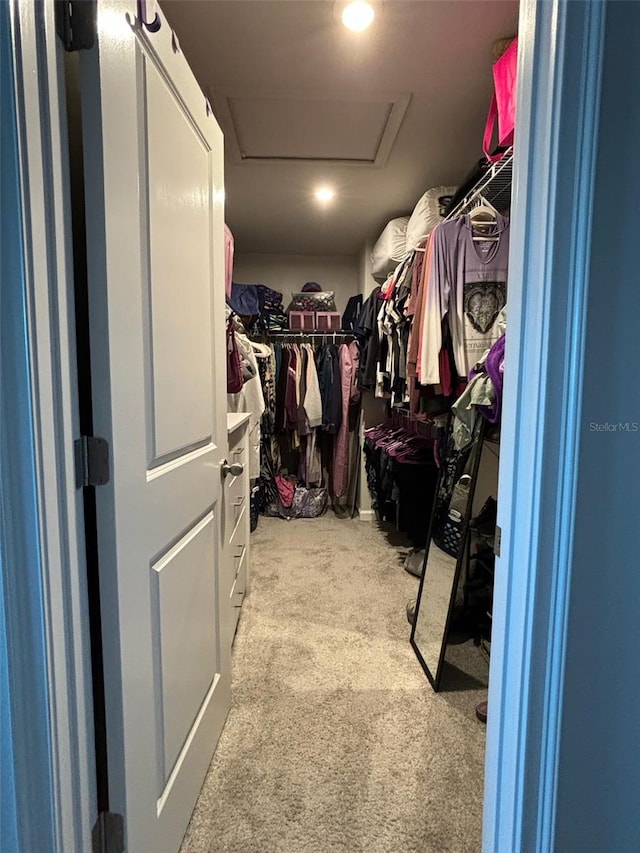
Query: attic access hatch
x=322, y=129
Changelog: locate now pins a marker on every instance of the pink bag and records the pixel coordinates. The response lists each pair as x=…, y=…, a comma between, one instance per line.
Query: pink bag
x=503, y=103
x=286, y=490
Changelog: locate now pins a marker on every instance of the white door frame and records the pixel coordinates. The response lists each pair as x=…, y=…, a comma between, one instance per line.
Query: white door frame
x=47, y=576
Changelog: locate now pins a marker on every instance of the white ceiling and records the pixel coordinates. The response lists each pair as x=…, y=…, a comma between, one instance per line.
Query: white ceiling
x=382, y=115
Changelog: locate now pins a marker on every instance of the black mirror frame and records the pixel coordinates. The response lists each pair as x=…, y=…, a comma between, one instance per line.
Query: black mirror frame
x=435, y=680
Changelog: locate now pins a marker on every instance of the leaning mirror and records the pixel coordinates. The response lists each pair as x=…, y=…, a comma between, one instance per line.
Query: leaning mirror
x=444, y=555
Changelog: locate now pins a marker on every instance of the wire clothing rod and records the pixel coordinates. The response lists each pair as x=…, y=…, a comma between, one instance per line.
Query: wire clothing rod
x=300, y=335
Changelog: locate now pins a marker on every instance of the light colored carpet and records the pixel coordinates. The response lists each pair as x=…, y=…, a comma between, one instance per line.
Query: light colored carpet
x=335, y=742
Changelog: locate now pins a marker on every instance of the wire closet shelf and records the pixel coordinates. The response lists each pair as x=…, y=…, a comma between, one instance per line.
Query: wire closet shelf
x=494, y=186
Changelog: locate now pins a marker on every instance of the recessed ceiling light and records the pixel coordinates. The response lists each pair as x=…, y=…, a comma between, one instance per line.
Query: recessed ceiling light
x=325, y=194
x=357, y=16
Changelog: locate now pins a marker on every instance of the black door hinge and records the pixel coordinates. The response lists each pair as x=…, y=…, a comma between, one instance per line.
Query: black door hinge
x=107, y=835
x=92, y=461
x=76, y=23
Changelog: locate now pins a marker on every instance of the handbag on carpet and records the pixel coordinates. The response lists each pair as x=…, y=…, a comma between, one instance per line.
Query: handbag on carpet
x=309, y=502
x=286, y=490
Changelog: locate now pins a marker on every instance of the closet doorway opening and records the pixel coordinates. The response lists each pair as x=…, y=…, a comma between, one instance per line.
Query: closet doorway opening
x=335, y=180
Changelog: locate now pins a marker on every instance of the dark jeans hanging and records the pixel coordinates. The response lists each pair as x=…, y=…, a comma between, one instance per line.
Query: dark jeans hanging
x=402, y=493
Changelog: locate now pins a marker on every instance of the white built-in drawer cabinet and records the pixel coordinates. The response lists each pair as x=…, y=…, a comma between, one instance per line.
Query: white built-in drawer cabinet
x=236, y=529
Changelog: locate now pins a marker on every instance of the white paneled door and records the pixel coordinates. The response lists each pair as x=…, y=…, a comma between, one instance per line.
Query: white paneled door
x=154, y=202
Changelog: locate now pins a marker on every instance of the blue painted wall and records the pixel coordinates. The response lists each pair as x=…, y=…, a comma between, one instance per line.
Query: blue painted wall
x=26, y=804
x=598, y=805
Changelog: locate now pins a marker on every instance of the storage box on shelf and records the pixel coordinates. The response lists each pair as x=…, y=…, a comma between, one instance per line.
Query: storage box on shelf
x=302, y=321
x=328, y=321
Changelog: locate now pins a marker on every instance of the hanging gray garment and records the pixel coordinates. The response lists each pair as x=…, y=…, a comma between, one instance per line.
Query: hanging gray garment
x=479, y=392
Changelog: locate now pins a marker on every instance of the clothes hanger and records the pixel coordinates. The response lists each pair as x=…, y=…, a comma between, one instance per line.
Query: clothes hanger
x=483, y=215
x=483, y=207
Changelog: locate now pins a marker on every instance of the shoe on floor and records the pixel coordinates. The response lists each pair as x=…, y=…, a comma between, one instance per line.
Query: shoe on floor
x=414, y=563
x=481, y=711
x=411, y=611
x=485, y=521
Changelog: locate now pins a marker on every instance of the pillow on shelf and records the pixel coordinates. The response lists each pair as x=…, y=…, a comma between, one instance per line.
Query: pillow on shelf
x=427, y=213
x=389, y=248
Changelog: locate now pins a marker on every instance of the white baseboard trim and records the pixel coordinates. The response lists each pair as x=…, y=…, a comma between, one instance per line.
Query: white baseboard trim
x=366, y=514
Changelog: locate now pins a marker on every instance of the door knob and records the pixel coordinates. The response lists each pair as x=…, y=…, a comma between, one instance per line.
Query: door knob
x=234, y=469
